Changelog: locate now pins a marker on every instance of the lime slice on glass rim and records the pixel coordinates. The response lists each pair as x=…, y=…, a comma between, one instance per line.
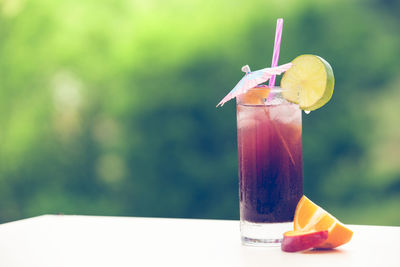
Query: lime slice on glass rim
x=309, y=82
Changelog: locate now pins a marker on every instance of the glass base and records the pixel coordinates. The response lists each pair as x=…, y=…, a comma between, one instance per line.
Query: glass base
x=263, y=234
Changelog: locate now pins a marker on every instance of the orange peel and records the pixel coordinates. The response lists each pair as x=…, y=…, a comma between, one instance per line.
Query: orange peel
x=310, y=217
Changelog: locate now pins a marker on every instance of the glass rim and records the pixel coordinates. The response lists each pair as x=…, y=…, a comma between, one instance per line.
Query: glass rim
x=274, y=96
x=275, y=89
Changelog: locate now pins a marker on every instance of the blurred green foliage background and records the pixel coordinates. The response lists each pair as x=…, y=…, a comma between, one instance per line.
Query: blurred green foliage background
x=108, y=107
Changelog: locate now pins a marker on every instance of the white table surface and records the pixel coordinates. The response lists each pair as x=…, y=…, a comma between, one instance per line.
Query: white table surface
x=59, y=240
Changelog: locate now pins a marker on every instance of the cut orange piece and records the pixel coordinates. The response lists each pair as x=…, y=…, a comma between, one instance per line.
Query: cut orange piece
x=256, y=95
x=309, y=216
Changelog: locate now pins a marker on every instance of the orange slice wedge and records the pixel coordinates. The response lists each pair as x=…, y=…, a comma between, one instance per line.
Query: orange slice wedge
x=309, y=216
x=255, y=96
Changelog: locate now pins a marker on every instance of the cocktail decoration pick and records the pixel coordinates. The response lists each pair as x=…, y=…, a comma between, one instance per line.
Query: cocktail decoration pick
x=252, y=79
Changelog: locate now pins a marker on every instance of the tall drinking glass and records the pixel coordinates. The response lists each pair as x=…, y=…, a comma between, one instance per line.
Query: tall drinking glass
x=270, y=165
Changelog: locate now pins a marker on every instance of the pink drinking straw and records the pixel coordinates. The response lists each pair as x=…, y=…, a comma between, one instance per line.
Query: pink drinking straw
x=277, y=46
x=275, y=58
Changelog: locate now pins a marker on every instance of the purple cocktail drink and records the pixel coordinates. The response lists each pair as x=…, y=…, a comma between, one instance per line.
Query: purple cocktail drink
x=270, y=165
